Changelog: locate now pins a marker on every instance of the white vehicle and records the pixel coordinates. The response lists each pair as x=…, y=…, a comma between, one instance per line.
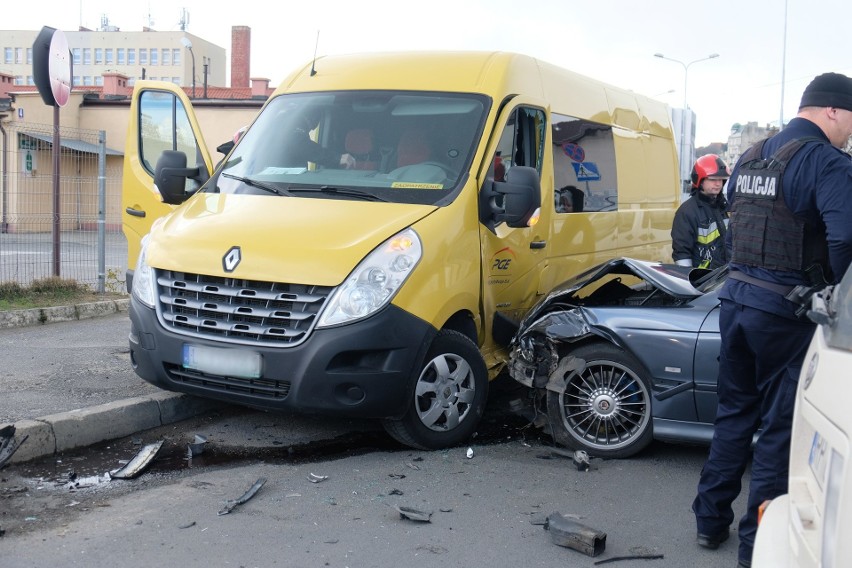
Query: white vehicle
x=811, y=525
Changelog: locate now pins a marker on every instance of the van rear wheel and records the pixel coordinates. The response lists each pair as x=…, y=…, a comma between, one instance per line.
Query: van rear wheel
x=449, y=395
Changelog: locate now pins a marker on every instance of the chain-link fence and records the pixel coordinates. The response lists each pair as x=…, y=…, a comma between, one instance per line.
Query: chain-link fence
x=70, y=225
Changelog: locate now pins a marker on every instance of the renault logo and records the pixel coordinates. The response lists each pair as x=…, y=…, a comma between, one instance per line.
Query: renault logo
x=231, y=259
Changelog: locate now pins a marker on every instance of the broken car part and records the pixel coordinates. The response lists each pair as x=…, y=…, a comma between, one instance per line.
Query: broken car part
x=229, y=506
x=413, y=514
x=140, y=461
x=8, y=444
x=571, y=534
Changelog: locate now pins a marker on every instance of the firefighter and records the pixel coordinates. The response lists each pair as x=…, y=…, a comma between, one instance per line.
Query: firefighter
x=790, y=204
x=698, y=231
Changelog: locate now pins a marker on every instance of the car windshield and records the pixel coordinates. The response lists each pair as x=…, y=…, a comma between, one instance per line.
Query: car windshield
x=403, y=147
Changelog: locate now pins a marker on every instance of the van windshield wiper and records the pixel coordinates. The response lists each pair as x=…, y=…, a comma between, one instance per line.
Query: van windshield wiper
x=259, y=185
x=349, y=192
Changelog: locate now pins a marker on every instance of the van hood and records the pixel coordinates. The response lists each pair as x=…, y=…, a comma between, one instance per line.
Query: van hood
x=281, y=239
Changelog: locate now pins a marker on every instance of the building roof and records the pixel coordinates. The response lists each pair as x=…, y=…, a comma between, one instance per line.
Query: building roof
x=72, y=144
x=218, y=93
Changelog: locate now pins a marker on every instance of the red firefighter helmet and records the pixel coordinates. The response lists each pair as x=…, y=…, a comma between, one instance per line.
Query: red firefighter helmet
x=706, y=166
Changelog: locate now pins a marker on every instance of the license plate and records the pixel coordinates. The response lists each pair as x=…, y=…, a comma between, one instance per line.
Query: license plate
x=225, y=362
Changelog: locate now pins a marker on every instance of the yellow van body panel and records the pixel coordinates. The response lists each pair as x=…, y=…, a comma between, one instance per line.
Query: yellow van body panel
x=282, y=239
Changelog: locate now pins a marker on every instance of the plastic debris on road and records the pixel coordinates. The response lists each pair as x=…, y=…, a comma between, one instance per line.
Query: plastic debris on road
x=230, y=505
x=139, y=462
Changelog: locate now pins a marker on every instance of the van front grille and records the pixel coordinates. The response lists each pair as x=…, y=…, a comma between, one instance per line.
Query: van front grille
x=241, y=311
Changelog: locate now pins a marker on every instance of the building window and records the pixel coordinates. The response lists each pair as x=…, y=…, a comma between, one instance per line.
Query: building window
x=176, y=81
x=119, y=56
x=99, y=80
x=167, y=57
x=7, y=55
x=176, y=56
x=131, y=56
x=30, y=80
x=143, y=56
x=29, y=56
x=108, y=56
x=87, y=56
x=131, y=81
x=76, y=80
x=19, y=79
x=19, y=55
x=99, y=56
x=78, y=55
x=87, y=80
x=154, y=57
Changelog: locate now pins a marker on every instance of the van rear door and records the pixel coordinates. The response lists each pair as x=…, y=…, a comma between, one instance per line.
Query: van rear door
x=161, y=118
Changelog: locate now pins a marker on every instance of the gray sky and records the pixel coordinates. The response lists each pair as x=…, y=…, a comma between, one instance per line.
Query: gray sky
x=610, y=40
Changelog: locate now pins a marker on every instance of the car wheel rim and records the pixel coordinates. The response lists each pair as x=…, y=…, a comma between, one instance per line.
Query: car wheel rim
x=445, y=392
x=605, y=406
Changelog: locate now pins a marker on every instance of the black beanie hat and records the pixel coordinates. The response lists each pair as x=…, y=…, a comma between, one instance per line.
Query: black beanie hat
x=828, y=90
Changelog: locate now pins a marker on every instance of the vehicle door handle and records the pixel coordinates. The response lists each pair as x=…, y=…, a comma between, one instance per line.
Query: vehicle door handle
x=538, y=244
x=135, y=212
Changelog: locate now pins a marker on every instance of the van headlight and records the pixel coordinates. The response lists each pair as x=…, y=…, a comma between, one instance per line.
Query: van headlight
x=143, y=278
x=375, y=281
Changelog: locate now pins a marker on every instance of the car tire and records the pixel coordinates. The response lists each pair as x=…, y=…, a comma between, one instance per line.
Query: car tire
x=448, y=398
x=605, y=405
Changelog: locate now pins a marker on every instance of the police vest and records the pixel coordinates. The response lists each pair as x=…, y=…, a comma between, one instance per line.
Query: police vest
x=765, y=233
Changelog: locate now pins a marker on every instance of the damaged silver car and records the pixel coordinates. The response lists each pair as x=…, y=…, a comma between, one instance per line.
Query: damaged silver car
x=622, y=354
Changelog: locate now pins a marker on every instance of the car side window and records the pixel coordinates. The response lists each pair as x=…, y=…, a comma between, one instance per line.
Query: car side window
x=164, y=125
x=584, y=169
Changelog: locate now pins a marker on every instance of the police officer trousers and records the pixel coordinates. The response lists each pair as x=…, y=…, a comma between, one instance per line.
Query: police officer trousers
x=759, y=364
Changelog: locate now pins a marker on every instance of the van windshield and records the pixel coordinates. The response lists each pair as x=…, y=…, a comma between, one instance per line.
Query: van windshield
x=396, y=146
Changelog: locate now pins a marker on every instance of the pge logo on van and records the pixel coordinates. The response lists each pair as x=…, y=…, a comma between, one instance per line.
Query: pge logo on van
x=501, y=262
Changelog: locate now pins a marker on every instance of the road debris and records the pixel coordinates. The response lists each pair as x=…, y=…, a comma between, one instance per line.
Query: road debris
x=469, y=453
x=139, y=462
x=581, y=460
x=187, y=525
x=196, y=448
x=8, y=444
x=631, y=557
x=413, y=514
x=571, y=534
x=314, y=478
x=230, y=505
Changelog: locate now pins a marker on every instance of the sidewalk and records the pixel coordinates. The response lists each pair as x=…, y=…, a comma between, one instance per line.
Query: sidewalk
x=79, y=427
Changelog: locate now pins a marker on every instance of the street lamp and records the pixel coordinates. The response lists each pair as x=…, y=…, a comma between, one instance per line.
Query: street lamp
x=188, y=44
x=683, y=156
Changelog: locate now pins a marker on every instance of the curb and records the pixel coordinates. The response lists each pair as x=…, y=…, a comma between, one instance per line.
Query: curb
x=73, y=429
x=40, y=316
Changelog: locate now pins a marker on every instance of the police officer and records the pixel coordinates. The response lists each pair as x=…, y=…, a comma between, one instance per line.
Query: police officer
x=698, y=231
x=790, y=204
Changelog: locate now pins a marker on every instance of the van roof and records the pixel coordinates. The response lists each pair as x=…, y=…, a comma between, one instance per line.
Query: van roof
x=497, y=74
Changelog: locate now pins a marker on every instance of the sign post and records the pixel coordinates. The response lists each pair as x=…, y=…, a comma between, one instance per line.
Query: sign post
x=52, y=75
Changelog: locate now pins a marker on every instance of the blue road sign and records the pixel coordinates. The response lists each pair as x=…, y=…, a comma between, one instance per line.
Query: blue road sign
x=586, y=171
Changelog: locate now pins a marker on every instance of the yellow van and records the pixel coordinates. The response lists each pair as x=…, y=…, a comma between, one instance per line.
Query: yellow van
x=369, y=243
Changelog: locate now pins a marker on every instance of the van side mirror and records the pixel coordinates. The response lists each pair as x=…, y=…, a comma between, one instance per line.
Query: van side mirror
x=513, y=201
x=170, y=176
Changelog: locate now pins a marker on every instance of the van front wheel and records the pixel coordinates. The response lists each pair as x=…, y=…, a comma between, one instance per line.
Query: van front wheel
x=449, y=395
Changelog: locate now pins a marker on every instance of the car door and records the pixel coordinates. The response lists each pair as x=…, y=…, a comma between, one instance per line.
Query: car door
x=161, y=118
x=512, y=258
x=707, y=366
